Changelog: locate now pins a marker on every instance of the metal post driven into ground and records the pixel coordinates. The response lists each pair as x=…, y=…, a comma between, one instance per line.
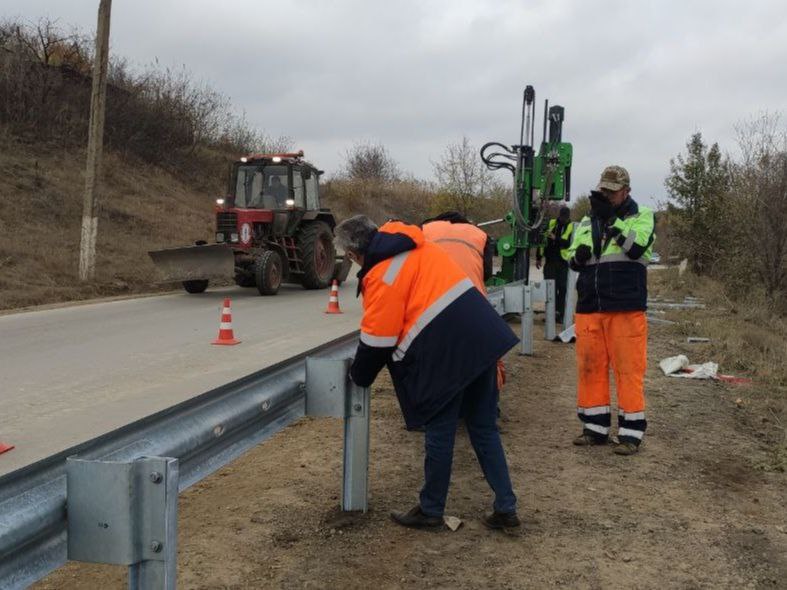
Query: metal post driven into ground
x=527, y=321
x=355, y=485
x=330, y=392
x=550, y=308
x=161, y=574
x=95, y=143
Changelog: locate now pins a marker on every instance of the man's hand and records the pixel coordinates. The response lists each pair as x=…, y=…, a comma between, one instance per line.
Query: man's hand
x=538, y=263
x=612, y=232
x=600, y=207
x=583, y=254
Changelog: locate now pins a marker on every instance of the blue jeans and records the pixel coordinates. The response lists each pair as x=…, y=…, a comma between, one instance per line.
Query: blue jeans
x=477, y=404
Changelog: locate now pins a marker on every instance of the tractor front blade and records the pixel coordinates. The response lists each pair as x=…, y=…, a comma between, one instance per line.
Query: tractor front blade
x=210, y=261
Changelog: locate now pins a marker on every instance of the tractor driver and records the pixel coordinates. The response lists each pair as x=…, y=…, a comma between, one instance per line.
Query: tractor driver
x=278, y=191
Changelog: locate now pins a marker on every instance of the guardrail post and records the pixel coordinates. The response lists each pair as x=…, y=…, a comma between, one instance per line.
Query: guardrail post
x=527, y=321
x=125, y=513
x=356, y=450
x=549, y=308
x=329, y=392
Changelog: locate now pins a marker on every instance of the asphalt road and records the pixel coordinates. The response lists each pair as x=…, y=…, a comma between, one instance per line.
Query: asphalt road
x=72, y=373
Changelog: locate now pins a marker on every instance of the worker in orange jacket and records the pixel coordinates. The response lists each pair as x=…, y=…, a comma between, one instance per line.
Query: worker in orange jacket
x=440, y=339
x=471, y=248
x=468, y=246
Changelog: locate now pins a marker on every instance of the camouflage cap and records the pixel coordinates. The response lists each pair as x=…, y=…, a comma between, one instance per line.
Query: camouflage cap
x=614, y=178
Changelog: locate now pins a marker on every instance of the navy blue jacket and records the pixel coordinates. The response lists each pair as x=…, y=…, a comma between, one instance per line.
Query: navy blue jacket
x=452, y=342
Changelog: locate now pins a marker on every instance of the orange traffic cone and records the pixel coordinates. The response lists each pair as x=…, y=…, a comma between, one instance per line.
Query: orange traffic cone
x=333, y=300
x=4, y=447
x=226, y=335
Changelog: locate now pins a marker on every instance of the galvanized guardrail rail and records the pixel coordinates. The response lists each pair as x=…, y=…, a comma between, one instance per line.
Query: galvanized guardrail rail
x=203, y=433
x=125, y=482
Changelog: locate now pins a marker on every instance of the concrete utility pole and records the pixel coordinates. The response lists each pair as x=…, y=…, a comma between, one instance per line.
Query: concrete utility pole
x=95, y=144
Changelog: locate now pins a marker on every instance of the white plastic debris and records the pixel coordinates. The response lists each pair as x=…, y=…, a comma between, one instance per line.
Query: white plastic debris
x=707, y=370
x=452, y=522
x=568, y=335
x=673, y=364
x=678, y=366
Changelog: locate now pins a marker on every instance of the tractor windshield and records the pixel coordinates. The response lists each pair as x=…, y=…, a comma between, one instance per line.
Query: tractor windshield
x=261, y=187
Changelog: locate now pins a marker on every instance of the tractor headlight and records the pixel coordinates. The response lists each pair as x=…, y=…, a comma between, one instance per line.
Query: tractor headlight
x=219, y=201
x=276, y=159
x=233, y=237
x=290, y=202
x=219, y=237
x=244, y=159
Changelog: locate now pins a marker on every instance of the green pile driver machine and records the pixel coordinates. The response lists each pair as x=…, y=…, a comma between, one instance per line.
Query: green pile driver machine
x=539, y=177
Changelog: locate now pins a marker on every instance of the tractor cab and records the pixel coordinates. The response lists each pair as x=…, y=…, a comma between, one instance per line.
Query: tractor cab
x=274, y=182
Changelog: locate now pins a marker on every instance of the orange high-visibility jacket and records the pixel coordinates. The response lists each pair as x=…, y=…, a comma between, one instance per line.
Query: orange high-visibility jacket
x=423, y=318
x=464, y=243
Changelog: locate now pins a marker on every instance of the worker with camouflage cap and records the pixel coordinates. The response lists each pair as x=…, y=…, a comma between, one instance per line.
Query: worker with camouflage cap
x=610, y=251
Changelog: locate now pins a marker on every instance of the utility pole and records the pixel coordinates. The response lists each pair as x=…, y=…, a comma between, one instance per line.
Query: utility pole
x=95, y=144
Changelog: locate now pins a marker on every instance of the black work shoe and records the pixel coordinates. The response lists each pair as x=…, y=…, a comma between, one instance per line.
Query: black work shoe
x=588, y=440
x=416, y=519
x=501, y=520
x=626, y=448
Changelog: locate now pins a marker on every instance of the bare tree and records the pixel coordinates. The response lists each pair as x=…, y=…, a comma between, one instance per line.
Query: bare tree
x=371, y=161
x=462, y=176
x=760, y=186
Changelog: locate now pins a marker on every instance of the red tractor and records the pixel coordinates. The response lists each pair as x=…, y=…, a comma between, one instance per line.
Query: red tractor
x=270, y=229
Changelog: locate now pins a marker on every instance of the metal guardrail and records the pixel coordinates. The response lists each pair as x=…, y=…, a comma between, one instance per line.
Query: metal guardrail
x=194, y=438
x=518, y=298
x=203, y=433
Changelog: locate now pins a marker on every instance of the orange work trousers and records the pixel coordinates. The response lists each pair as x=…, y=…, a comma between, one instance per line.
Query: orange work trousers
x=616, y=340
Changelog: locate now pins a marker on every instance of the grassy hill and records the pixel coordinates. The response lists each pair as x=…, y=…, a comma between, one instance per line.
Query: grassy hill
x=142, y=207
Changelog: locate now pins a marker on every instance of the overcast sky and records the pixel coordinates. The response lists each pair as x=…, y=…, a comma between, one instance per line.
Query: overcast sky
x=636, y=77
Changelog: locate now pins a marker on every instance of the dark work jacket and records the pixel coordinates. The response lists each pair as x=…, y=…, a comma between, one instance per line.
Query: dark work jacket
x=615, y=278
x=455, y=347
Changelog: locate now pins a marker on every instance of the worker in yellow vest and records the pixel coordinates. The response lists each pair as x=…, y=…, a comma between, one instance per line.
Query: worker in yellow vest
x=555, y=251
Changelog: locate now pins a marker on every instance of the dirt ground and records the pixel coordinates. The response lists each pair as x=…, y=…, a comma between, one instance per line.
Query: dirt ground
x=701, y=506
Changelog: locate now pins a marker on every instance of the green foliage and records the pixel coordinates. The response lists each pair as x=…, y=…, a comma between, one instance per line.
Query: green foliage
x=698, y=185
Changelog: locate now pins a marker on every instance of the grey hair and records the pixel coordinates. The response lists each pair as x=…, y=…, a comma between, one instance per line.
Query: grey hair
x=355, y=234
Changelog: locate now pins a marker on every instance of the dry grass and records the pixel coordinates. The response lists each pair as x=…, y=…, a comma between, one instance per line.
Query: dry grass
x=407, y=200
x=748, y=339
x=142, y=208
x=747, y=335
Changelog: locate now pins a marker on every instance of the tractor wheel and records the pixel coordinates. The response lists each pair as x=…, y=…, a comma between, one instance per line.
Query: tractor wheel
x=319, y=255
x=195, y=286
x=268, y=272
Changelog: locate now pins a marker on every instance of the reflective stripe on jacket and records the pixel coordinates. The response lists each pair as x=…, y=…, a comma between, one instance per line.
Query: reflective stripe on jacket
x=615, y=277
x=563, y=241
x=464, y=243
x=423, y=318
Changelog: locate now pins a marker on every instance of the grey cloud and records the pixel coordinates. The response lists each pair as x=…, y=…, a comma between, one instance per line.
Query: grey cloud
x=636, y=78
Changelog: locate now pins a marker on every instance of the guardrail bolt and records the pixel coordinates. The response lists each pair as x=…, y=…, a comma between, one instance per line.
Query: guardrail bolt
x=156, y=477
x=156, y=546
x=357, y=407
